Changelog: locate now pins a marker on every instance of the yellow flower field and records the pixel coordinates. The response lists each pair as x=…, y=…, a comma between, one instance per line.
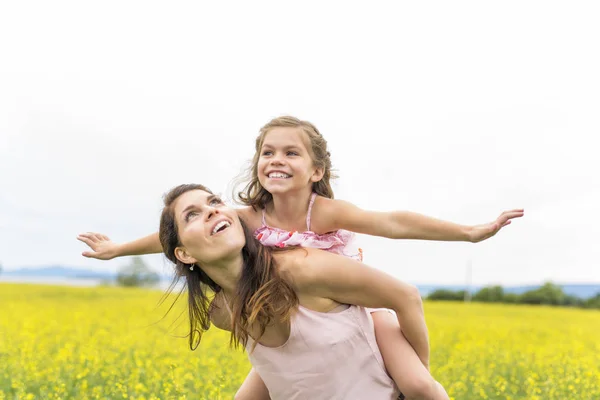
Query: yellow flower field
x=111, y=343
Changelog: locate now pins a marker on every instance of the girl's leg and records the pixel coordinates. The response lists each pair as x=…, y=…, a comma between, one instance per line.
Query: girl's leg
x=401, y=361
x=253, y=388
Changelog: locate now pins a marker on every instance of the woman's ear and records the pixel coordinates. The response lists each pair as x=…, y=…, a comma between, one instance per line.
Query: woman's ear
x=317, y=175
x=183, y=256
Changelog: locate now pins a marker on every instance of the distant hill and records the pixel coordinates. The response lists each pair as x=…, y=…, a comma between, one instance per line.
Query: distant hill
x=59, y=271
x=583, y=291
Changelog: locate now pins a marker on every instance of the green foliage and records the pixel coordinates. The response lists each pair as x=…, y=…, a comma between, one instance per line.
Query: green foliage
x=444, y=294
x=548, y=294
x=136, y=274
x=593, y=302
x=511, y=298
x=573, y=301
x=491, y=294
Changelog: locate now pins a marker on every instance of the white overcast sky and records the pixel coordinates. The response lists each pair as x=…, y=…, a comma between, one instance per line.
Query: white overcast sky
x=458, y=110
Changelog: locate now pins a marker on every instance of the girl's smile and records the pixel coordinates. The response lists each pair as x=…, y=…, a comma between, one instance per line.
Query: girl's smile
x=285, y=159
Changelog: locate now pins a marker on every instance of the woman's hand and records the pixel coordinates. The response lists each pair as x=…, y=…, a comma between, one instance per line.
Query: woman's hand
x=102, y=247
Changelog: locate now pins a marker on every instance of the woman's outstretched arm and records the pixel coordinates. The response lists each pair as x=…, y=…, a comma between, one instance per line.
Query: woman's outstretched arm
x=102, y=248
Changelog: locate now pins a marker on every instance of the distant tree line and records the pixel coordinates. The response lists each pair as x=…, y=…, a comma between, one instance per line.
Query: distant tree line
x=136, y=274
x=548, y=294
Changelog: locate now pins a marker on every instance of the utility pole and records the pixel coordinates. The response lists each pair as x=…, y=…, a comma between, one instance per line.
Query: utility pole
x=468, y=277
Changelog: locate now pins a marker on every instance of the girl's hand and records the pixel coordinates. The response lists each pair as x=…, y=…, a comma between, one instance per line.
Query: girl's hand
x=485, y=231
x=102, y=247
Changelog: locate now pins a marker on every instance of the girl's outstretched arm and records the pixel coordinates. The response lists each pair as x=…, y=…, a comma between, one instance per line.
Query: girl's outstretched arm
x=347, y=281
x=339, y=214
x=103, y=248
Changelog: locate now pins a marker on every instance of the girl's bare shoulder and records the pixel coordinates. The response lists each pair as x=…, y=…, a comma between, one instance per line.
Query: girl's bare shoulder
x=324, y=215
x=252, y=217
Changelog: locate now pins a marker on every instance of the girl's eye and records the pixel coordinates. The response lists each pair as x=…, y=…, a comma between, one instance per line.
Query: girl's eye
x=267, y=153
x=292, y=153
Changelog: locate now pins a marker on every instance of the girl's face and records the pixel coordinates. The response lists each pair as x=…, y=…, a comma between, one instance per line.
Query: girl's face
x=285, y=163
x=209, y=231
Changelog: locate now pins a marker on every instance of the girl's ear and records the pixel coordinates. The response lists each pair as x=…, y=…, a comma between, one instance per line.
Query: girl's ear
x=317, y=175
x=183, y=256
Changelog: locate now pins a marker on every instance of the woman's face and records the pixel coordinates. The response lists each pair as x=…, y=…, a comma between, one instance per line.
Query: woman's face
x=209, y=231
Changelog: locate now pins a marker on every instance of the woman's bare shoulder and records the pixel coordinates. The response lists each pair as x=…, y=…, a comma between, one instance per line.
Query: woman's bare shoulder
x=219, y=315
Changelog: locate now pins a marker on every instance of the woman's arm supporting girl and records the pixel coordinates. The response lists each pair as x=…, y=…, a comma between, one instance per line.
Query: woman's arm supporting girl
x=347, y=281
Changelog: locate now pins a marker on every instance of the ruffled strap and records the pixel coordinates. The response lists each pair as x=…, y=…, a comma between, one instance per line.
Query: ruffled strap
x=312, y=201
x=264, y=221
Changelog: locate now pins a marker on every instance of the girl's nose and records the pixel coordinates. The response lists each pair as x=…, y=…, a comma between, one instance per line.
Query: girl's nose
x=277, y=160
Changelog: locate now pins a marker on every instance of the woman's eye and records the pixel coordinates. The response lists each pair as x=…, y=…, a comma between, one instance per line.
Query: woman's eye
x=216, y=201
x=189, y=215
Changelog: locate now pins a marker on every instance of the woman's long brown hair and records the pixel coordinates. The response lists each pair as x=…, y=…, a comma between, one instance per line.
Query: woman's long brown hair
x=261, y=297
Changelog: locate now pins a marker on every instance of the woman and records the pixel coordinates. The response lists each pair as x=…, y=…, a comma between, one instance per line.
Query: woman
x=287, y=308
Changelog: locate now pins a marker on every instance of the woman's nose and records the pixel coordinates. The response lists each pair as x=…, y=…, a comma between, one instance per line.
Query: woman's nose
x=211, y=212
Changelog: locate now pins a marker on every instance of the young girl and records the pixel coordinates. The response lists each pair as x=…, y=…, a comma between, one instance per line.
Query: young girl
x=289, y=202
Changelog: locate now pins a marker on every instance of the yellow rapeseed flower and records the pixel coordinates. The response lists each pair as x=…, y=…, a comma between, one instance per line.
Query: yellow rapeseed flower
x=113, y=343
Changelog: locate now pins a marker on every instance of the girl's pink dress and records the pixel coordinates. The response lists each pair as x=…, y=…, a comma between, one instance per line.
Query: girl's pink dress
x=339, y=242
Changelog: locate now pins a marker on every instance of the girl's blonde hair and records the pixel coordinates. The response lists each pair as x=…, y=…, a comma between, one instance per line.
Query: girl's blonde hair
x=253, y=194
